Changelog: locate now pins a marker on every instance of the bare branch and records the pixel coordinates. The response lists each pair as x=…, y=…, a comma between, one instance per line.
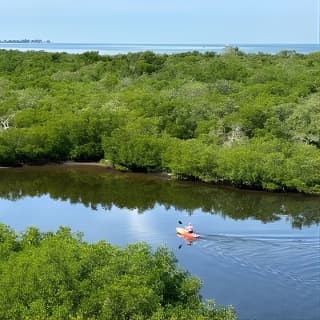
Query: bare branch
x=5, y=122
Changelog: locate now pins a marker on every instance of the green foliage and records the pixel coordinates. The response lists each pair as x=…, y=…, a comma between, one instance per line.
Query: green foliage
x=137, y=152
x=59, y=276
x=271, y=164
x=199, y=116
x=191, y=158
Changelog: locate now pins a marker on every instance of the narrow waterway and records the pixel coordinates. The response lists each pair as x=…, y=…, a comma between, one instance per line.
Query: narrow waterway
x=258, y=251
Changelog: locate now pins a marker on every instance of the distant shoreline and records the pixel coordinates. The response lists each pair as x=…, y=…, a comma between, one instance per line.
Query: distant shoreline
x=25, y=41
x=161, y=48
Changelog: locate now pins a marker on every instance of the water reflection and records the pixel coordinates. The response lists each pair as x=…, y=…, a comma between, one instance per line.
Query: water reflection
x=97, y=186
x=251, y=253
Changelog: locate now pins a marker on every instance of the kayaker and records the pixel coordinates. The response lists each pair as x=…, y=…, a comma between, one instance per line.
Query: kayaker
x=189, y=228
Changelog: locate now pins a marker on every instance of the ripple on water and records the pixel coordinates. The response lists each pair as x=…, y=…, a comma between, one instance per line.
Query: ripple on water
x=284, y=258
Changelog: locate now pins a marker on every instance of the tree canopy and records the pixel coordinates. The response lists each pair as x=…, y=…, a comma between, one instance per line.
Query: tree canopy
x=251, y=120
x=57, y=276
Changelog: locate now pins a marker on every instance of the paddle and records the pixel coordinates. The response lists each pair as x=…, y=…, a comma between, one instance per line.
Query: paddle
x=181, y=243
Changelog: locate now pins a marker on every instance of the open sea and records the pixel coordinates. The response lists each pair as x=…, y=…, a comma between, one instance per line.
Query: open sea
x=123, y=48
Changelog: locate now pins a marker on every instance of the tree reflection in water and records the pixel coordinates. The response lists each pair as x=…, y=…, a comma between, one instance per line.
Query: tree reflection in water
x=95, y=186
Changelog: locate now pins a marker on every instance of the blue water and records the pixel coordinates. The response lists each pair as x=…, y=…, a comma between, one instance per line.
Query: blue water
x=123, y=48
x=265, y=270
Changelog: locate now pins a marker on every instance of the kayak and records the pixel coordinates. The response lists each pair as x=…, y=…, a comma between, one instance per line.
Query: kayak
x=184, y=233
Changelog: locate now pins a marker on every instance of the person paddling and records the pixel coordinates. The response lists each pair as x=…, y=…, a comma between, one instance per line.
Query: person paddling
x=189, y=228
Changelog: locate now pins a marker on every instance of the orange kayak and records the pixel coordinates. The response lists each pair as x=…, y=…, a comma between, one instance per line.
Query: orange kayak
x=184, y=233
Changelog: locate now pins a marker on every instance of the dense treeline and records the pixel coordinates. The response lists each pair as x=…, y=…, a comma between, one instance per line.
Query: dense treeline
x=252, y=120
x=58, y=276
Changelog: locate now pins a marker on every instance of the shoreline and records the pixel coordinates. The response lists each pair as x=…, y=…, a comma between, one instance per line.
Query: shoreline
x=94, y=164
x=161, y=48
x=161, y=175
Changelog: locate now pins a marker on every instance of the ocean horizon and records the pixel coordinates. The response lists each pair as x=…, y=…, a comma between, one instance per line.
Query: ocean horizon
x=161, y=48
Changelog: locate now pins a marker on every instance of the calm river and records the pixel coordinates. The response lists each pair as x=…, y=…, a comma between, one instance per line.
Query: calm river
x=259, y=251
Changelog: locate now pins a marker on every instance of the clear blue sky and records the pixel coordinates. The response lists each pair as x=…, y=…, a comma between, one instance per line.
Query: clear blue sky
x=161, y=21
